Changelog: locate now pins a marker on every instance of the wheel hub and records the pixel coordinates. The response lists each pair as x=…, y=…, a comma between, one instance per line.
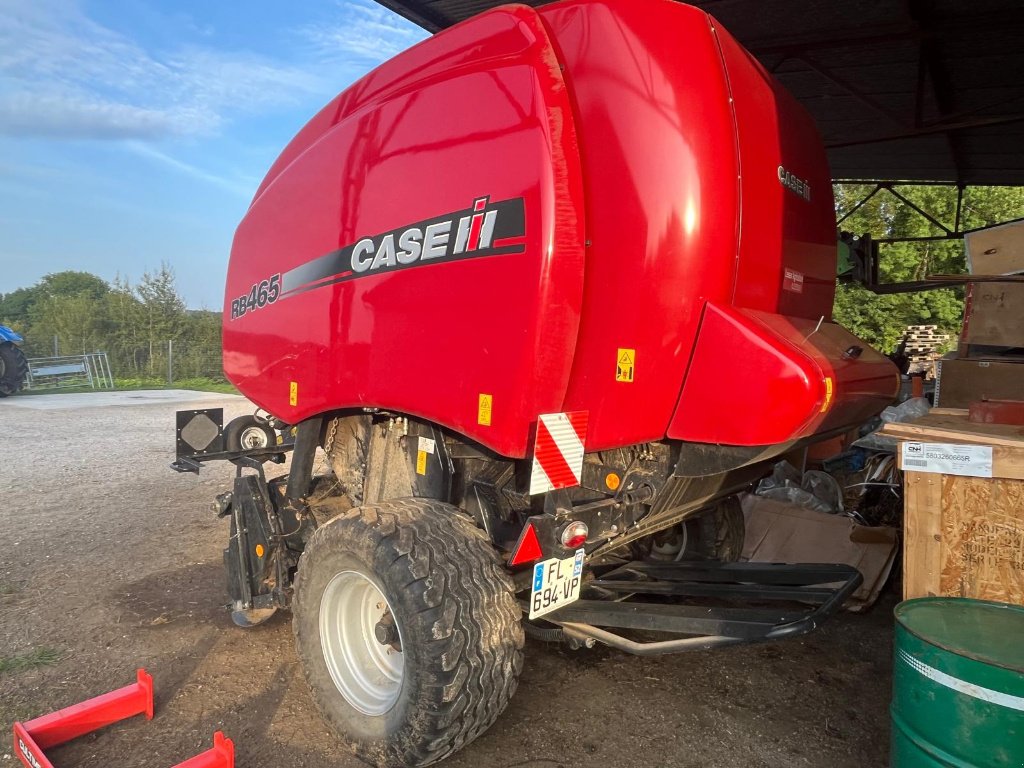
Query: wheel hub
x=253, y=437
x=386, y=632
x=361, y=643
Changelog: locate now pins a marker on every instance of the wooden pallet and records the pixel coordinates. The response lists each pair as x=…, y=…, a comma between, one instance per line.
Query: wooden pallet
x=920, y=345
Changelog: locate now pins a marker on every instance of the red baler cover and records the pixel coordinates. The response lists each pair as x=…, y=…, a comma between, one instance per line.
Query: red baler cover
x=477, y=231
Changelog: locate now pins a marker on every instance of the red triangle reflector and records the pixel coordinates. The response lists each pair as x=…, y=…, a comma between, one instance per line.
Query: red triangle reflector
x=528, y=549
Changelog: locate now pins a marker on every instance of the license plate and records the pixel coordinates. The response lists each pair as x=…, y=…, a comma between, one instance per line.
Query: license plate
x=556, y=583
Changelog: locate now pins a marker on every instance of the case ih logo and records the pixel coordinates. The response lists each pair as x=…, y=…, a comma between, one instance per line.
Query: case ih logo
x=485, y=229
x=794, y=183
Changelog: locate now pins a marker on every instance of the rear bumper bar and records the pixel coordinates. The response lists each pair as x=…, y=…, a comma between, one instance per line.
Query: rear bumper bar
x=824, y=587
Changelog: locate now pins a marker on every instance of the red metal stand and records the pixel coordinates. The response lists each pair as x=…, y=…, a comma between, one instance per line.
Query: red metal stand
x=220, y=755
x=31, y=739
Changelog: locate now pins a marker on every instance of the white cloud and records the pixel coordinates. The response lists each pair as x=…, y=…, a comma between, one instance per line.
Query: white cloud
x=362, y=29
x=62, y=75
x=75, y=116
x=241, y=187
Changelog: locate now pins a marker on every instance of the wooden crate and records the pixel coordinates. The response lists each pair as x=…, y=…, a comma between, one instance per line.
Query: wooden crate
x=996, y=250
x=964, y=536
x=994, y=315
x=961, y=382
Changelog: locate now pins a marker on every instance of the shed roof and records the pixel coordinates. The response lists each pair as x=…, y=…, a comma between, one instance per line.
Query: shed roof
x=908, y=90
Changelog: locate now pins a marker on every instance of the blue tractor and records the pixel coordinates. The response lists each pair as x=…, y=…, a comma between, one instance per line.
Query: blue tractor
x=13, y=364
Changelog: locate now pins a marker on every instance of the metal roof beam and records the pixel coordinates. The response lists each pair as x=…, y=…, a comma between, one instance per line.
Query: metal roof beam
x=929, y=130
x=858, y=94
x=922, y=12
x=419, y=13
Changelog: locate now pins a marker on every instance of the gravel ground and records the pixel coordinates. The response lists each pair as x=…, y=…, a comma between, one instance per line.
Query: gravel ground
x=114, y=561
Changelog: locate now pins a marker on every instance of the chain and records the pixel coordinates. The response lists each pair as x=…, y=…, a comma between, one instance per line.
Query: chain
x=332, y=431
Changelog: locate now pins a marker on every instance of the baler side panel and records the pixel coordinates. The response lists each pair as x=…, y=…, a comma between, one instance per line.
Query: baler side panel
x=787, y=240
x=658, y=155
x=477, y=111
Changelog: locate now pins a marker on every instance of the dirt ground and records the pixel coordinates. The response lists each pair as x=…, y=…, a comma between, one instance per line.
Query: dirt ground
x=114, y=561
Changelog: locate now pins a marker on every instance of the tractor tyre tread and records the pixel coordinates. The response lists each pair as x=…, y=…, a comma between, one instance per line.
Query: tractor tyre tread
x=15, y=369
x=463, y=638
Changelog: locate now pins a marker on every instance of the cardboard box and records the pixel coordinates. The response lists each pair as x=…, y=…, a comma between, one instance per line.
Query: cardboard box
x=994, y=315
x=996, y=250
x=777, y=532
x=961, y=382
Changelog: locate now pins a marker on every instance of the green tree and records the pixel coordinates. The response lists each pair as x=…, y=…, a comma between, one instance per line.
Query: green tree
x=163, y=309
x=132, y=323
x=79, y=322
x=72, y=283
x=881, y=319
x=127, y=340
x=15, y=306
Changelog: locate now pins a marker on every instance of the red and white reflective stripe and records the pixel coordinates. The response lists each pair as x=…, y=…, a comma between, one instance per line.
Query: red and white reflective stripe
x=558, y=451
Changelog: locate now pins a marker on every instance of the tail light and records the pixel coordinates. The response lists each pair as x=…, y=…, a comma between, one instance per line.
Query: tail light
x=574, y=535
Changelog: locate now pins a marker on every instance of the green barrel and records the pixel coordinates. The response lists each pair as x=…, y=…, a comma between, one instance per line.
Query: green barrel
x=958, y=684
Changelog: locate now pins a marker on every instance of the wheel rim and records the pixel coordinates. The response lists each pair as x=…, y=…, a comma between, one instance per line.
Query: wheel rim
x=253, y=437
x=366, y=672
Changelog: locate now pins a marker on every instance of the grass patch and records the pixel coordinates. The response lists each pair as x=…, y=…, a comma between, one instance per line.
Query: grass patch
x=201, y=383
x=6, y=588
x=37, y=657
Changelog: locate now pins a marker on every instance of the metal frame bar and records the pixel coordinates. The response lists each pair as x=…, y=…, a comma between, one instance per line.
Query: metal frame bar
x=928, y=130
x=708, y=627
x=746, y=591
x=955, y=233
x=194, y=462
x=747, y=623
x=300, y=475
x=850, y=88
x=914, y=206
x=857, y=207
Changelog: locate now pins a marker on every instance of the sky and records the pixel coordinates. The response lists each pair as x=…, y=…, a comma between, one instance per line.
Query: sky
x=135, y=132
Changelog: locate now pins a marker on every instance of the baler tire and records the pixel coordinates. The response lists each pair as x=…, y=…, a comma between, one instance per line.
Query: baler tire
x=13, y=369
x=459, y=627
x=236, y=431
x=718, y=534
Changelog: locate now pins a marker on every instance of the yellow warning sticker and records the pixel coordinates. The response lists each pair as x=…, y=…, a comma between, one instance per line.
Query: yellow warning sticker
x=483, y=410
x=625, y=361
x=293, y=393
x=421, y=462
x=828, y=394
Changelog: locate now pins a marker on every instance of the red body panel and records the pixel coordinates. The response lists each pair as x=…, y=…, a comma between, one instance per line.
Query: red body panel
x=659, y=163
x=480, y=110
x=675, y=203
x=781, y=229
x=759, y=378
